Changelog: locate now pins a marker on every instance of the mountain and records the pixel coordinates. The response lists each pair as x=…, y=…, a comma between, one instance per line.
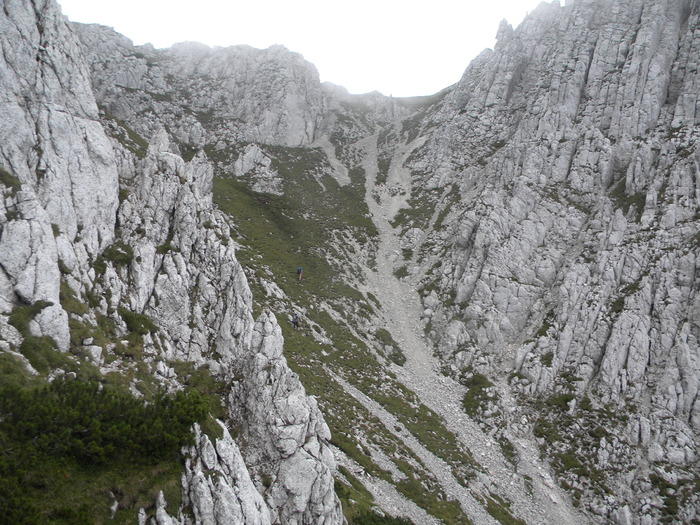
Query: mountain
x=498, y=304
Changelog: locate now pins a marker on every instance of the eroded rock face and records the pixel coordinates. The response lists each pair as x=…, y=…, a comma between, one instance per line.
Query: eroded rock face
x=182, y=244
x=51, y=144
x=253, y=163
x=285, y=435
x=155, y=247
x=571, y=252
x=287, y=432
x=218, y=485
x=271, y=96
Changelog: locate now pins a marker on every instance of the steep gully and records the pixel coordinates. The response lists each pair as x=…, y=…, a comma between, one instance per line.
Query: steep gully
x=538, y=500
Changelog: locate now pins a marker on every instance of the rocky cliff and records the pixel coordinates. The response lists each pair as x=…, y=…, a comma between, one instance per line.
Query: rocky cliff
x=499, y=304
x=568, y=249
x=129, y=267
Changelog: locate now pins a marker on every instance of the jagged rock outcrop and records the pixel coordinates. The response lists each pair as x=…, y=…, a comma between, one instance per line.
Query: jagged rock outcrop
x=271, y=96
x=184, y=272
x=216, y=485
x=49, y=129
x=154, y=252
x=222, y=99
x=290, y=436
x=571, y=252
x=225, y=494
x=253, y=163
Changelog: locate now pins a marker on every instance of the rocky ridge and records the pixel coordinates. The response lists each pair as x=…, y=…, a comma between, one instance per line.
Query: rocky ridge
x=139, y=238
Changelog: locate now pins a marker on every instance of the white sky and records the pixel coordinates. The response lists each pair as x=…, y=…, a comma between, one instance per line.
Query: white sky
x=398, y=47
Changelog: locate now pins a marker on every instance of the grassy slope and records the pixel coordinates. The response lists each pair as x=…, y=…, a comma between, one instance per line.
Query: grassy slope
x=279, y=233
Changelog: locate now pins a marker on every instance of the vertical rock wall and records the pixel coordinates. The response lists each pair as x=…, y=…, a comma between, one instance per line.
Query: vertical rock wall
x=52, y=146
x=572, y=252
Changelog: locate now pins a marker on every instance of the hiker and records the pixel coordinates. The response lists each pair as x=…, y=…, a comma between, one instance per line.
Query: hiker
x=295, y=320
x=299, y=272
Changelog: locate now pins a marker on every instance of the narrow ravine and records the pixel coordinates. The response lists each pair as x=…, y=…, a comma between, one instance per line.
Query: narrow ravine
x=541, y=501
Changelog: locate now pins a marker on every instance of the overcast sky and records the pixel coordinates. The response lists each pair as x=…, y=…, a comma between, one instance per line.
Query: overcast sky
x=398, y=47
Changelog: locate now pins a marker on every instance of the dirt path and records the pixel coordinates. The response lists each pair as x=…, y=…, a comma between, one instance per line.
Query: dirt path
x=538, y=501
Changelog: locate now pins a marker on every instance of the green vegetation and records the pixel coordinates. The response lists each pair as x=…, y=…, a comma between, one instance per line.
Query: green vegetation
x=547, y=358
x=66, y=445
x=167, y=246
x=123, y=194
x=394, y=354
x=401, y=272
x=306, y=227
x=450, y=199
x=476, y=394
x=298, y=228
x=78, y=441
x=383, y=165
x=560, y=401
x=671, y=493
x=369, y=517
x=10, y=181
x=572, y=439
x=70, y=302
x=40, y=351
x=21, y=316
x=92, y=424
x=621, y=199
x=137, y=323
x=418, y=213
x=547, y=323
x=499, y=509
x=188, y=151
x=448, y=512
x=508, y=450
x=118, y=253
x=358, y=503
x=211, y=390
x=128, y=138
x=619, y=303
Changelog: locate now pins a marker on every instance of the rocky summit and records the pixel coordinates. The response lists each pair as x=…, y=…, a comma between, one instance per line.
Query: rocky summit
x=230, y=293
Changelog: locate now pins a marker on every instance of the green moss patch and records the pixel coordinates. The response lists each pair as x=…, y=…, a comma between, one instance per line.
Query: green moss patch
x=10, y=181
x=476, y=394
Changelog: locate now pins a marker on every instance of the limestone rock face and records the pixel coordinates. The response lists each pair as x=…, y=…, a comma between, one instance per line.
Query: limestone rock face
x=89, y=209
x=223, y=99
x=57, y=157
x=271, y=96
x=218, y=485
x=255, y=164
x=163, y=219
x=571, y=251
x=287, y=433
x=286, y=436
